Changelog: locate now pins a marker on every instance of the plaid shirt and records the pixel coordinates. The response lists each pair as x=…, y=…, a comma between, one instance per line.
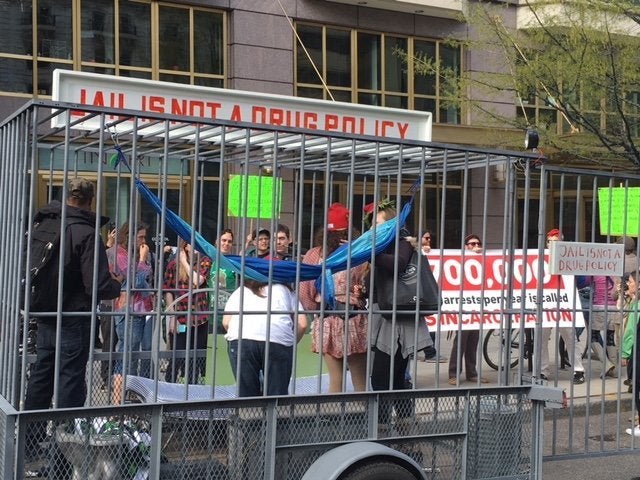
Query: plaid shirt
x=180, y=287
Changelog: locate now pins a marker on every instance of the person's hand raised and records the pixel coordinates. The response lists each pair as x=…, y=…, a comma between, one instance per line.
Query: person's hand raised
x=144, y=252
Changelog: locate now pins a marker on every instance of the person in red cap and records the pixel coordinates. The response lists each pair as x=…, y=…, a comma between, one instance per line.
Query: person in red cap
x=337, y=218
x=553, y=235
x=568, y=335
x=328, y=332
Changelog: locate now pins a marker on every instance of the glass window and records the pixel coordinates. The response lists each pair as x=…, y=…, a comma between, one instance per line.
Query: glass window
x=374, y=69
x=338, y=58
x=209, y=82
x=425, y=104
x=341, y=95
x=424, y=58
x=134, y=29
x=16, y=75
x=98, y=29
x=17, y=23
x=370, y=99
x=173, y=34
x=395, y=75
x=45, y=76
x=450, y=59
x=310, y=93
x=92, y=25
x=54, y=37
x=395, y=101
x=632, y=103
x=208, y=41
x=175, y=78
x=311, y=37
x=449, y=113
x=369, y=61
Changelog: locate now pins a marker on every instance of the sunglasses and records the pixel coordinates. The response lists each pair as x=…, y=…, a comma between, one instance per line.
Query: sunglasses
x=474, y=244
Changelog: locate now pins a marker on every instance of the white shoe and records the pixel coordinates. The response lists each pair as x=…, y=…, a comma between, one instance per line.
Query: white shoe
x=635, y=431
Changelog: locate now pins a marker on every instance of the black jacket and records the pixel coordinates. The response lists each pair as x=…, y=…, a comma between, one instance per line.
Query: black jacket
x=386, y=259
x=78, y=259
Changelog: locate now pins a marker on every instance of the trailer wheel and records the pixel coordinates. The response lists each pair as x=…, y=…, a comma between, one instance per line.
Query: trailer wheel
x=379, y=470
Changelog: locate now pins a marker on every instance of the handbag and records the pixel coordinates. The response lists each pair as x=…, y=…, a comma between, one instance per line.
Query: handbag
x=408, y=296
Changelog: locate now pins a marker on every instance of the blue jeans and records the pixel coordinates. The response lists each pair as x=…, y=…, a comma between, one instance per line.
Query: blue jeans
x=252, y=365
x=140, y=336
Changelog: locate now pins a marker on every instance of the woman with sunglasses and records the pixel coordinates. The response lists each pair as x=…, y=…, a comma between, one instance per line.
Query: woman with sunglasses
x=468, y=339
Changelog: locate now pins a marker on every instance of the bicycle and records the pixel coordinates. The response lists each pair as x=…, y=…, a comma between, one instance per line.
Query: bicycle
x=492, y=348
x=494, y=343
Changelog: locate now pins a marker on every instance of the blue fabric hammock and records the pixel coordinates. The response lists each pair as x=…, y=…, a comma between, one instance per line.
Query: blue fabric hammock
x=284, y=271
x=281, y=271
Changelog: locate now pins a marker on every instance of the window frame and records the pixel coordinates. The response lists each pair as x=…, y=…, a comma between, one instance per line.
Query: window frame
x=355, y=92
x=76, y=62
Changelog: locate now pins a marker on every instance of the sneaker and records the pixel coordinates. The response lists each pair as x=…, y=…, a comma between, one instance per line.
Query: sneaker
x=578, y=378
x=627, y=382
x=634, y=432
x=452, y=381
x=543, y=377
x=436, y=360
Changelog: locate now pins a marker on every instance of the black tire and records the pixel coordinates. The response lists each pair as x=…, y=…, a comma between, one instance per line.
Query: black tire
x=379, y=470
x=493, y=344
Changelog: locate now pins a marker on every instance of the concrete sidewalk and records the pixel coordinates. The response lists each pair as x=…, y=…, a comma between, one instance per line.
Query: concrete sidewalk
x=594, y=386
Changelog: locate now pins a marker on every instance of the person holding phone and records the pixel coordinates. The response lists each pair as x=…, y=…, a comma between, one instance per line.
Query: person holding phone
x=187, y=272
x=136, y=333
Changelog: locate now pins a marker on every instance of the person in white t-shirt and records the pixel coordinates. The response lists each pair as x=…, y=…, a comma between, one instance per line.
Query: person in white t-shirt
x=270, y=313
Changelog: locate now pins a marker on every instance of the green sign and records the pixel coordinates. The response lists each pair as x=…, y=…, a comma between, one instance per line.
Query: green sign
x=253, y=196
x=619, y=211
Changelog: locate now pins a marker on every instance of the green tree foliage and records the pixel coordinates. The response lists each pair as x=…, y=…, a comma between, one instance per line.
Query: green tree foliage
x=577, y=61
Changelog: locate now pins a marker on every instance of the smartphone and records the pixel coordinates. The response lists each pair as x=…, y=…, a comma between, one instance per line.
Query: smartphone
x=111, y=226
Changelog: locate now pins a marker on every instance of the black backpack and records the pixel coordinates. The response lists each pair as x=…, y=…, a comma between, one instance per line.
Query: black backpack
x=44, y=262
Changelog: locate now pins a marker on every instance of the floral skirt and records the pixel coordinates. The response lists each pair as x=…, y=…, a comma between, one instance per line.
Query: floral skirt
x=333, y=333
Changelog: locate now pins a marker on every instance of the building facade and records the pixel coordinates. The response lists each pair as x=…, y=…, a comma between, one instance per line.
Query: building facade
x=362, y=52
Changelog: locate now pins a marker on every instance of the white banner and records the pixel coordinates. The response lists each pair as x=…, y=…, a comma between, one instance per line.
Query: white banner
x=476, y=291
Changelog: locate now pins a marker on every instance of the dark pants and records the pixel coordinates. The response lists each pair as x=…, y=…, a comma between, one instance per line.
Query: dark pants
x=75, y=335
x=381, y=380
x=198, y=342
x=430, y=351
x=252, y=365
x=468, y=350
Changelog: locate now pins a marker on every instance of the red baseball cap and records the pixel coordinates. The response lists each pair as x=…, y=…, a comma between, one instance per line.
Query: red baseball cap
x=553, y=233
x=337, y=217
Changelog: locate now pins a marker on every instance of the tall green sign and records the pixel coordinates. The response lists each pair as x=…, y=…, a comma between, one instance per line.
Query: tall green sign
x=253, y=196
x=619, y=211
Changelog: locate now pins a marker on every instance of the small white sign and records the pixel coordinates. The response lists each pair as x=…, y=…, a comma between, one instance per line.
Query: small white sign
x=584, y=258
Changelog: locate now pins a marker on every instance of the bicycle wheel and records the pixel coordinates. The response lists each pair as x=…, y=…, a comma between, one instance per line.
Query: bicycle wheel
x=494, y=344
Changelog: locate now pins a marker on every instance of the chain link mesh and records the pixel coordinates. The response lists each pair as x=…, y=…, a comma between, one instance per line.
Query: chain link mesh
x=447, y=433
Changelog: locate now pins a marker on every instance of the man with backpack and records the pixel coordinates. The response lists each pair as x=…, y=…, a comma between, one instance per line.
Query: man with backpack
x=79, y=272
